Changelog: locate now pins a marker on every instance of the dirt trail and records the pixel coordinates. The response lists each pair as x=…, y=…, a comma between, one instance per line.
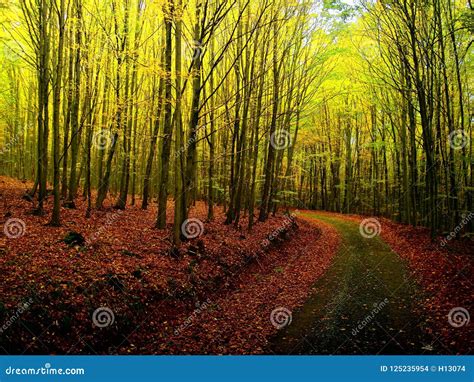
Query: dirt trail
x=364, y=304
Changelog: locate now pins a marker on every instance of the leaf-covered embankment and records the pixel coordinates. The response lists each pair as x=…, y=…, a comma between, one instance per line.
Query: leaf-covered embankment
x=128, y=266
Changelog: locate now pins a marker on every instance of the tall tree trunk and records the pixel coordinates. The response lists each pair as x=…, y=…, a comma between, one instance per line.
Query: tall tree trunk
x=76, y=132
x=269, y=164
x=167, y=127
x=55, y=218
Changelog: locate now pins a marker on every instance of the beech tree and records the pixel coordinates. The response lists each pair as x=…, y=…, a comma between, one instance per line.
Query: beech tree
x=252, y=106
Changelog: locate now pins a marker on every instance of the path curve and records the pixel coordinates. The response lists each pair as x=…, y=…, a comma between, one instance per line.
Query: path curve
x=363, y=304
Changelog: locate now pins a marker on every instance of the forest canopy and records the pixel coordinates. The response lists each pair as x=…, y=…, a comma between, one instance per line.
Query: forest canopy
x=254, y=105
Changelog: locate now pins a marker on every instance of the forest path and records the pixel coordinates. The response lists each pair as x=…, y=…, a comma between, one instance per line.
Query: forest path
x=363, y=304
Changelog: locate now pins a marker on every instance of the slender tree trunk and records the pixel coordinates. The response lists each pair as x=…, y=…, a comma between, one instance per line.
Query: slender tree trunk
x=167, y=127
x=55, y=218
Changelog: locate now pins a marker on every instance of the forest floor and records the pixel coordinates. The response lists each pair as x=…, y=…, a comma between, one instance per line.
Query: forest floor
x=213, y=296
x=303, y=283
